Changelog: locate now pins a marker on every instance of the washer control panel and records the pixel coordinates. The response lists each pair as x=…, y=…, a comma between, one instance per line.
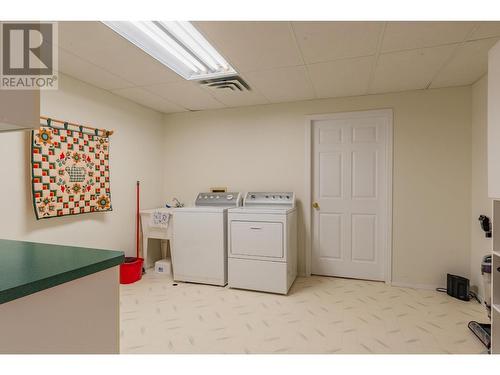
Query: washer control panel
x=270, y=199
x=218, y=199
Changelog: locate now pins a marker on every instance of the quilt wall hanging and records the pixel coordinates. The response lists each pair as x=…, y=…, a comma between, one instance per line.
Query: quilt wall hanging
x=69, y=169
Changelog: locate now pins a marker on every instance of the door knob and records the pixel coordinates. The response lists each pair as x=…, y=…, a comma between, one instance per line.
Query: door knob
x=316, y=205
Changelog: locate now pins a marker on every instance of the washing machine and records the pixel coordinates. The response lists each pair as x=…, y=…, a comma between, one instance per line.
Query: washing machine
x=262, y=242
x=199, y=239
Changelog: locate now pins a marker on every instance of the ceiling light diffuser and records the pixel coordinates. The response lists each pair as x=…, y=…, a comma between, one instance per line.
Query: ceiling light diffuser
x=176, y=44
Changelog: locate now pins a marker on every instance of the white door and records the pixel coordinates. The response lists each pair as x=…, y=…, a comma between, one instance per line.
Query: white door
x=351, y=180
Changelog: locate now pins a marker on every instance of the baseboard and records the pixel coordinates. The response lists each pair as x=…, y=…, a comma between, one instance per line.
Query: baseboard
x=399, y=284
x=479, y=296
x=415, y=286
x=481, y=299
x=426, y=287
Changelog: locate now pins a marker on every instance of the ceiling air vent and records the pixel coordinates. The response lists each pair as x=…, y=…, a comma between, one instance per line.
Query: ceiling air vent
x=233, y=83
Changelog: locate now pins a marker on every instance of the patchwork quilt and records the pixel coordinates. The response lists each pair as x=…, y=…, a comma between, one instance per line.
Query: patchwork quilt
x=70, y=171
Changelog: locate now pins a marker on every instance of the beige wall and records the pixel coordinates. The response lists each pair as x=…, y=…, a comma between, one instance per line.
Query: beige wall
x=263, y=148
x=480, y=203
x=136, y=153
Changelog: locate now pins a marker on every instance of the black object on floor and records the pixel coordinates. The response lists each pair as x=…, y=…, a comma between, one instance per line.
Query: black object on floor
x=482, y=332
x=458, y=287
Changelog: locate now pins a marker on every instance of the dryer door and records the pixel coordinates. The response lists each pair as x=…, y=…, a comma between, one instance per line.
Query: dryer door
x=257, y=239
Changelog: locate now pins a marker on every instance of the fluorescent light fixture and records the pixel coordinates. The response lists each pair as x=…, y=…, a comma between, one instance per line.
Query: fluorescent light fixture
x=176, y=44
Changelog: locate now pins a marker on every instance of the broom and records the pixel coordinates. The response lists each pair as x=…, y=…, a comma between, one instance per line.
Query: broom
x=133, y=267
x=137, y=219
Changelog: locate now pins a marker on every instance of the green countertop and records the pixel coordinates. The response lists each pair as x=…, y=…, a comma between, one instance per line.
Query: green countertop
x=28, y=267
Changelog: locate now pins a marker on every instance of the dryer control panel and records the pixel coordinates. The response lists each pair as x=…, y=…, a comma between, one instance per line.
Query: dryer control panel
x=270, y=199
x=218, y=199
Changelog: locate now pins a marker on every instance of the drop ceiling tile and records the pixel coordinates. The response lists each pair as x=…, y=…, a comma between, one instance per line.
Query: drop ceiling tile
x=98, y=44
x=187, y=94
x=76, y=67
x=323, y=41
x=282, y=84
x=87, y=37
x=485, y=30
x=346, y=77
x=469, y=63
x=253, y=45
x=148, y=99
x=135, y=66
x=411, y=35
x=409, y=70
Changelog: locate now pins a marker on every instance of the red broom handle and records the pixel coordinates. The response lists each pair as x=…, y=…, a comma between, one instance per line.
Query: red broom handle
x=137, y=218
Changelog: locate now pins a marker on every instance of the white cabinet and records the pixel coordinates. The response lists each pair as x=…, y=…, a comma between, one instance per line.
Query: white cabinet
x=494, y=186
x=19, y=109
x=495, y=281
x=494, y=122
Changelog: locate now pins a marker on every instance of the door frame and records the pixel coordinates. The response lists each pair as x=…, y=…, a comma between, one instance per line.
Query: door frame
x=388, y=112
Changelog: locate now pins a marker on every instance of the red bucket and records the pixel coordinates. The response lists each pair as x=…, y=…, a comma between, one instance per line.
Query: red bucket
x=131, y=270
